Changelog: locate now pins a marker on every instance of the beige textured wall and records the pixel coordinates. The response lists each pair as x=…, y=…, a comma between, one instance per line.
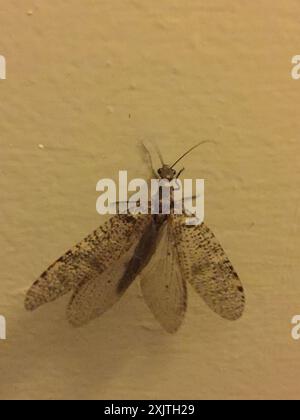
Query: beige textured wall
x=89, y=80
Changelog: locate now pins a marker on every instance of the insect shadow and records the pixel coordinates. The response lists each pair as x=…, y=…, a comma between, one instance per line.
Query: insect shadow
x=51, y=362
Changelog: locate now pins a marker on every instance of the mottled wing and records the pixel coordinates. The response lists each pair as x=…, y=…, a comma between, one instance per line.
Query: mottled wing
x=94, y=297
x=162, y=284
x=104, y=253
x=206, y=266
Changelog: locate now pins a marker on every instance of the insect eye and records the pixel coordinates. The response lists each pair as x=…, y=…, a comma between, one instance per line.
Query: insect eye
x=159, y=171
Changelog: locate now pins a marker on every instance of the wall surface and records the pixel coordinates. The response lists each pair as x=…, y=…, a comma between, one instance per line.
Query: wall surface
x=86, y=82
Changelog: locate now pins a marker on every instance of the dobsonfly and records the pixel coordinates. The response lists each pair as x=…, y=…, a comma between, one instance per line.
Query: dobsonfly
x=162, y=249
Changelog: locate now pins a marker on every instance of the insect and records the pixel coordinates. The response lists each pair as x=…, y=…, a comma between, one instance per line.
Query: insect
x=162, y=249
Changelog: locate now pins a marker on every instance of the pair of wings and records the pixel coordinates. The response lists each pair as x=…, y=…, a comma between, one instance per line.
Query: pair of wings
x=167, y=254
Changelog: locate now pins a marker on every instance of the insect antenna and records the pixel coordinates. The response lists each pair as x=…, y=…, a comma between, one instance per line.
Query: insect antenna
x=190, y=150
